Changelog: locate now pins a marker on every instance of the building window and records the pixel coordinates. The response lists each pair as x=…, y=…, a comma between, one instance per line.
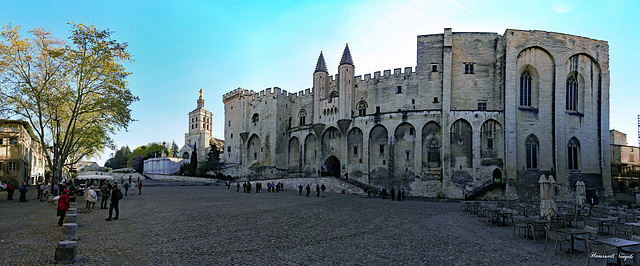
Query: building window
x=13, y=166
x=377, y=109
x=255, y=118
x=13, y=141
x=631, y=158
x=572, y=94
x=468, y=68
x=255, y=156
x=333, y=133
x=412, y=131
x=525, y=89
x=362, y=108
x=228, y=148
x=434, y=68
x=302, y=115
x=573, y=151
x=1, y=141
x=231, y=135
x=408, y=153
x=435, y=99
x=229, y=122
x=482, y=106
x=399, y=89
x=532, y=152
x=381, y=148
x=355, y=150
x=13, y=129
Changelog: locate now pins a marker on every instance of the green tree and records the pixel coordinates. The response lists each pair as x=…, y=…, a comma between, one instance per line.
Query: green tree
x=74, y=94
x=193, y=163
x=119, y=160
x=174, y=149
x=213, y=161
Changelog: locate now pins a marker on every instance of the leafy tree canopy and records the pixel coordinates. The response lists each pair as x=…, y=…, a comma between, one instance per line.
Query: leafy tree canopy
x=73, y=93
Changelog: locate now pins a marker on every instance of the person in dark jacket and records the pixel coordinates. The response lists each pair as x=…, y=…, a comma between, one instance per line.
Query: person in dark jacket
x=10, y=190
x=23, y=191
x=63, y=206
x=308, y=189
x=114, y=203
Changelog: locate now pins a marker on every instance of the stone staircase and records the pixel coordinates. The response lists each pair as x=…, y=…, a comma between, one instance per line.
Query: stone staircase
x=483, y=188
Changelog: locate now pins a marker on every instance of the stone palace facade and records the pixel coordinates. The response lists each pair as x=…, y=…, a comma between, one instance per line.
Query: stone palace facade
x=478, y=109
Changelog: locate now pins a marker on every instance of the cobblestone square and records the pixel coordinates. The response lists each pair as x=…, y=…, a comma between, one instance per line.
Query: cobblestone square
x=194, y=224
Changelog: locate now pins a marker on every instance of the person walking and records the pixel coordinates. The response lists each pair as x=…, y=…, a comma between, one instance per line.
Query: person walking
x=116, y=196
x=10, y=190
x=39, y=189
x=105, y=191
x=140, y=187
x=63, y=206
x=393, y=194
x=300, y=189
x=23, y=191
x=238, y=187
x=134, y=187
x=308, y=189
x=91, y=198
x=323, y=188
x=317, y=190
x=126, y=189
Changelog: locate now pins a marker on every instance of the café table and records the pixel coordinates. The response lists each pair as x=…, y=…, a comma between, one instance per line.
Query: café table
x=602, y=220
x=572, y=232
x=619, y=243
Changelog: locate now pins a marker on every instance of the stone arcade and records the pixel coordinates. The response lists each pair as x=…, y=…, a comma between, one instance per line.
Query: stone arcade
x=478, y=108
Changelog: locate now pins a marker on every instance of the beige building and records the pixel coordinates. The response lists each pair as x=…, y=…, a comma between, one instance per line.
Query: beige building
x=21, y=155
x=199, y=135
x=624, y=158
x=479, y=108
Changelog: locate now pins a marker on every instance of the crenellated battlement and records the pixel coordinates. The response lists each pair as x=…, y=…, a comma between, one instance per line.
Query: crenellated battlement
x=236, y=93
x=386, y=74
x=300, y=94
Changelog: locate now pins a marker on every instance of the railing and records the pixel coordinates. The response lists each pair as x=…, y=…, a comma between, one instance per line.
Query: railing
x=484, y=187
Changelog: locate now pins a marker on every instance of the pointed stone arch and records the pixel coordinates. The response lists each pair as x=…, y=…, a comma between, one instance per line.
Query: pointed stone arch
x=461, y=148
x=379, y=154
x=431, y=146
x=254, y=154
x=491, y=139
x=310, y=152
x=355, y=148
x=404, y=150
x=294, y=154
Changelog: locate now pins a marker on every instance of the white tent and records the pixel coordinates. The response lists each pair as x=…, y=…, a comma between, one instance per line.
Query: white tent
x=548, y=208
x=580, y=193
x=97, y=177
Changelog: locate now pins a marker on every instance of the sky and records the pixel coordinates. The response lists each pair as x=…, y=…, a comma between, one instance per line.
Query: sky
x=180, y=47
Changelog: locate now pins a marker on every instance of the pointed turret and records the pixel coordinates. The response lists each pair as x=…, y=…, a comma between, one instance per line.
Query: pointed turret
x=321, y=65
x=346, y=57
x=345, y=85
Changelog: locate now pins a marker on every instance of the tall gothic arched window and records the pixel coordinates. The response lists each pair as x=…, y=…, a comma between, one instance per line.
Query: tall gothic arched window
x=572, y=94
x=531, y=148
x=525, y=89
x=573, y=153
x=302, y=116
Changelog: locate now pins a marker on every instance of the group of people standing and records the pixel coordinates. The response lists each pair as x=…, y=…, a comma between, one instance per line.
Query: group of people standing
x=110, y=195
x=308, y=188
x=383, y=194
x=22, y=189
x=246, y=187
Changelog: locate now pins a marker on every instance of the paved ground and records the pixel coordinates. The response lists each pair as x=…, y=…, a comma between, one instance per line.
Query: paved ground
x=196, y=225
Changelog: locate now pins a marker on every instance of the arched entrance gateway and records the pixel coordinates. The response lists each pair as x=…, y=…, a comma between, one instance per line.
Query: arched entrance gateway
x=497, y=176
x=331, y=167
